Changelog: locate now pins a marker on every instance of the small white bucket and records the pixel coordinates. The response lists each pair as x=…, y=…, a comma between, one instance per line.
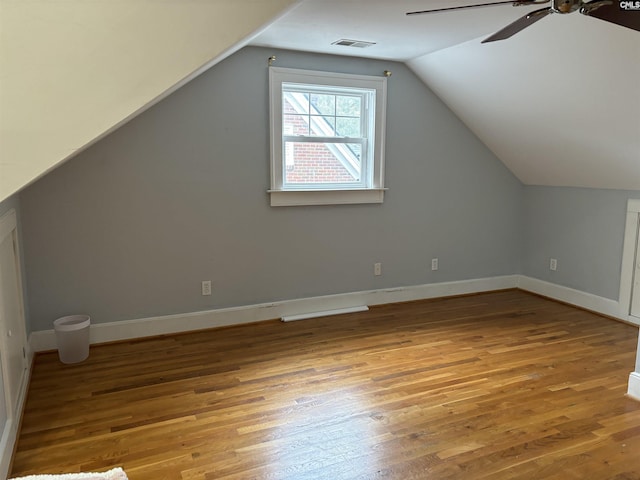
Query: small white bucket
x=72, y=336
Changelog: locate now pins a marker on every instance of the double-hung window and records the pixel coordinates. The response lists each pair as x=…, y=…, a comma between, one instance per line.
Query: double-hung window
x=327, y=137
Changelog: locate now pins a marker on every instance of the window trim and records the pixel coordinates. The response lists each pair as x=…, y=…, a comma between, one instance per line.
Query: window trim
x=374, y=193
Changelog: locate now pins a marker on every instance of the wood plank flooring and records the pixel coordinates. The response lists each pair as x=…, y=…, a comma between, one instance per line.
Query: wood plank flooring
x=498, y=385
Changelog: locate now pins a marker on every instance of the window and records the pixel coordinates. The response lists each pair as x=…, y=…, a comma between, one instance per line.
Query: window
x=327, y=137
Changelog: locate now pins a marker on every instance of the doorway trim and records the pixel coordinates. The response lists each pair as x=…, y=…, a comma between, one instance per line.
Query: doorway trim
x=628, y=256
x=15, y=395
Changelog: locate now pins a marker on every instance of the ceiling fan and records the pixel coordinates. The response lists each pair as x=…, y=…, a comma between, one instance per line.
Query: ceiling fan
x=621, y=12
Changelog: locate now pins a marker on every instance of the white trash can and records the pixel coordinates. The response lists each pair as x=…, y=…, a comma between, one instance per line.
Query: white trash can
x=72, y=336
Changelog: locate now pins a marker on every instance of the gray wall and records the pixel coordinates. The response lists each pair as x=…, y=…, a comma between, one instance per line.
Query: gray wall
x=131, y=226
x=583, y=229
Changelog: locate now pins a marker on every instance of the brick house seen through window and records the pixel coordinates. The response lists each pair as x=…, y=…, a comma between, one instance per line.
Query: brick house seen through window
x=310, y=163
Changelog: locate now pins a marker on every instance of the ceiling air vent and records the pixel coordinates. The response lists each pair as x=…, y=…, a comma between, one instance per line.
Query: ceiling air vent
x=353, y=43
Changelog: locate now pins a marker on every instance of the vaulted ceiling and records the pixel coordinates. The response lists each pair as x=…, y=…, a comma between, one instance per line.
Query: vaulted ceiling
x=558, y=103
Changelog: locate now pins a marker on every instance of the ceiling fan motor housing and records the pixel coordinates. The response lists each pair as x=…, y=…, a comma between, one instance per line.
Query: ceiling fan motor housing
x=566, y=6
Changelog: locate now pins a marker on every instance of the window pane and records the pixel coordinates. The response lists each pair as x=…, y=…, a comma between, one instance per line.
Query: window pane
x=322, y=163
x=295, y=125
x=323, y=104
x=348, y=127
x=356, y=151
x=348, y=106
x=295, y=102
x=323, y=126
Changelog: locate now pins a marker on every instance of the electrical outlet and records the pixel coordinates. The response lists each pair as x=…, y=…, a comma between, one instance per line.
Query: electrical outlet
x=206, y=287
x=434, y=264
x=377, y=269
x=553, y=264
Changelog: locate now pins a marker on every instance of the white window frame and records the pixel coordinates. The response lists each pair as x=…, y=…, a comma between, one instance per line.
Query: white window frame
x=371, y=189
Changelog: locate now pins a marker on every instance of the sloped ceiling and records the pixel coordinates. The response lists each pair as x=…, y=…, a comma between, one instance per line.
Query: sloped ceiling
x=558, y=103
x=72, y=70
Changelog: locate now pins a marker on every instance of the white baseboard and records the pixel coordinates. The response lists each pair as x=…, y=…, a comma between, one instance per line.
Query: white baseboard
x=44, y=340
x=10, y=433
x=588, y=301
x=634, y=385
x=144, y=327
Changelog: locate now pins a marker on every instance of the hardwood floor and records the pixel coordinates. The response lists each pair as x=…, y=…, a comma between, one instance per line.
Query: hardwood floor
x=498, y=385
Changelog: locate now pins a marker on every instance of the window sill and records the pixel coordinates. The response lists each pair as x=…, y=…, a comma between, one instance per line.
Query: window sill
x=284, y=198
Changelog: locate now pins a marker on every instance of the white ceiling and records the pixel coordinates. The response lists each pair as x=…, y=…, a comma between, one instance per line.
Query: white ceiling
x=558, y=103
x=315, y=24
x=73, y=70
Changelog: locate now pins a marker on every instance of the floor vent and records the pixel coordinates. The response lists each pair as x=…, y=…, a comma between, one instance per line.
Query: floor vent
x=325, y=313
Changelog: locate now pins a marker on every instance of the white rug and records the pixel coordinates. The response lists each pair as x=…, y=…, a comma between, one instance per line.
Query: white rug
x=115, y=474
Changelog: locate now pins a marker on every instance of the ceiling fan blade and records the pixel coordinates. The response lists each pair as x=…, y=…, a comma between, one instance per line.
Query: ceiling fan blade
x=515, y=3
x=434, y=10
x=612, y=12
x=520, y=24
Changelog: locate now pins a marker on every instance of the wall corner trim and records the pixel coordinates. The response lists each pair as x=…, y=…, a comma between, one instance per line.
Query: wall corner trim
x=634, y=386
